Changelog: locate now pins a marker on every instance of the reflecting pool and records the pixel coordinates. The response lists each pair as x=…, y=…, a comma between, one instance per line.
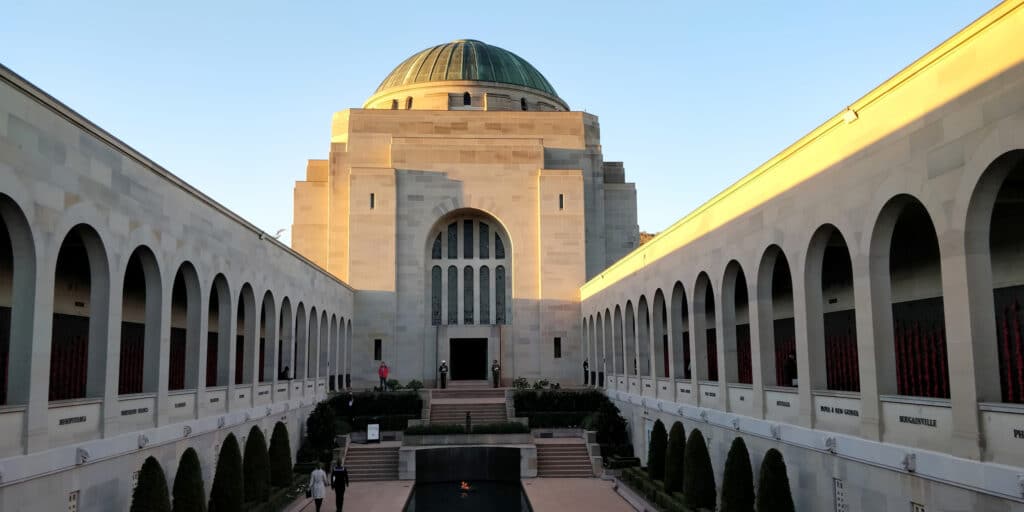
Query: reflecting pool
x=456, y=497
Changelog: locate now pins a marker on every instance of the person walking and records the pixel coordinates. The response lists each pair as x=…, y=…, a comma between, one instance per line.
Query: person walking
x=443, y=370
x=383, y=372
x=495, y=371
x=339, y=481
x=318, y=485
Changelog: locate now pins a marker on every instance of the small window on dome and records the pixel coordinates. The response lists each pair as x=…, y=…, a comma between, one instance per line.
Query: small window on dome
x=394, y=104
x=466, y=99
x=408, y=103
x=522, y=103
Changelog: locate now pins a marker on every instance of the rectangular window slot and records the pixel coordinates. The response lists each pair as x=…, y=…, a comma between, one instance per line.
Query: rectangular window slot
x=833, y=300
x=558, y=348
x=377, y=350
x=561, y=201
x=372, y=201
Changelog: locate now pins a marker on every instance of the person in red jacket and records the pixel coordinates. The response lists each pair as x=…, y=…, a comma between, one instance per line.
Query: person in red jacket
x=382, y=372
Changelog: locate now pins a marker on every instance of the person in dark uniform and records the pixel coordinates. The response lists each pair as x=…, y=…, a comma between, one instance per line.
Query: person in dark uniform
x=339, y=481
x=495, y=371
x=443, y=370
x=586, y=372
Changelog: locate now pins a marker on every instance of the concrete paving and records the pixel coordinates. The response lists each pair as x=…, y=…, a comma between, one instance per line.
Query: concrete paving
x=386, y=496
x=562, y=494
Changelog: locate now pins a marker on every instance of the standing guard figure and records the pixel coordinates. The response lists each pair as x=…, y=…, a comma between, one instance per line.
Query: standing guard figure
x=443, y=370
x=586, y=372
x=495, y=371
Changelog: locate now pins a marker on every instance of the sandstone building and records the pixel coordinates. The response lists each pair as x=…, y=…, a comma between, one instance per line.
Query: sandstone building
x=467, y=203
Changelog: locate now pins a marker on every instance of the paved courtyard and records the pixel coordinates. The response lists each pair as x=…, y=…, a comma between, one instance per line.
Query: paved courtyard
x=561, y=494
x=546, y=495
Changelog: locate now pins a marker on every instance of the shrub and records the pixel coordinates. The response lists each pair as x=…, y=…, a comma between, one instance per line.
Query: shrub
x=189, y=493
x=520, y=383
x=738, y=480
x=773, y=493
x=321, y=427
x=557, y=401
x=414, y=385
x=150, y=493
x=228, y=489
x=556, y=419
x=510, y=427
x=698, y=476
x=280, y=456
x=256, y=467
x=674, y=458
x=656, y=451
x=394, y=384
x=435, y=429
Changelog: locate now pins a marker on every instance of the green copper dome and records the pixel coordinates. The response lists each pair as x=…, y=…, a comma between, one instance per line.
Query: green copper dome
x=467, y=59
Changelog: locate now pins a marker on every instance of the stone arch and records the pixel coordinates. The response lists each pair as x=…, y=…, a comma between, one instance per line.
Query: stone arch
x=299, y=344
x=185, y=336
x=659, y=328
x=831, y=314
x=599, y=348
x=643, y=338
x=632, y=363
x=907, y=301
x=285, y=352
x=17, y=301
x=777, y=327
x=245, y=336
x=333, y=357
x=80, y=311
x=268, y=333
x=218, y=337
x=139, y=360
x=311, y=343
x=680, y=332
x=736, y=325
x=608, y=365
x=705, y=339
x=324, y=350
x=473, y=242
x=995, y=280
x=620, y=354
x=348, y=357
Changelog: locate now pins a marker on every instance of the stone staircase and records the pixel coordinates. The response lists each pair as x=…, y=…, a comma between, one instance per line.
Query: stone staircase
x=563, y=460
x=456, y=412
x=372, y=463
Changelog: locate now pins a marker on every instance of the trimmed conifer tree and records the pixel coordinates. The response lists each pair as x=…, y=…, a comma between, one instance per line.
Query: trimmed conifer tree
x=738, y=480
x=228, y=489
x=698, y=477
x=773, y=493
x=674, y=458
x=656, y=452
x=256, y=467
x=150, y=494
x=189, y=493
x=280, y=456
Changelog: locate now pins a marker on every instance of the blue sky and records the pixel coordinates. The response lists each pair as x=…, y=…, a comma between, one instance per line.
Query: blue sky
x=235, y=96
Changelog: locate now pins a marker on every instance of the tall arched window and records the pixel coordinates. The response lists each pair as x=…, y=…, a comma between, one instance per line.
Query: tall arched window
x=453, y=295
x=435, y=295
x=466, y=99
x=408, y=103
x=463, y=282
x=522, y=103
x=394, y=104
x=467, y=295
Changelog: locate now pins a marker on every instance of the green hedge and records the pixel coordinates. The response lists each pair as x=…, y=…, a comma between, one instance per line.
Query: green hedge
x=377, y=404
x=570, y=419
x=386, y=422
x=557, y=401
x=438, y=429
x=653, y=491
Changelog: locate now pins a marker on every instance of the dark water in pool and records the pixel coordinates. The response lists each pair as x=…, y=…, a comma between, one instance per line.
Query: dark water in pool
x=484, y=496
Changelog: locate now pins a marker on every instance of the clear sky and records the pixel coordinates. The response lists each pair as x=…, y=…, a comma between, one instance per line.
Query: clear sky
x=235, y=96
